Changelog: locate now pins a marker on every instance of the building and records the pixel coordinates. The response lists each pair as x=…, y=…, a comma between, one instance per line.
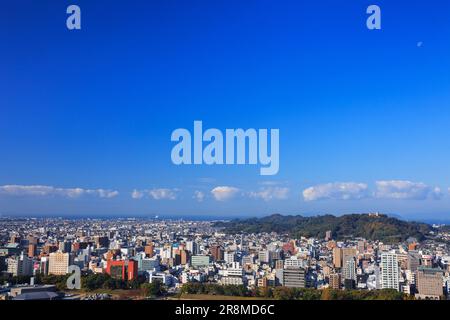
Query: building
x=361, y=246
x=184, y=257
x=58, y=263
x=191, y=246
x=348, y=254
x=200, y=261
x=279, y=264
x=217, y=252
x=233, y=275
x=389, y=271
x=122, y=269
x=263, y=282
x=413, y=262
x=20, y=265
x=164, y=278
x=429, y=284
x=294, y=278
x=335, y=281
x=43, y=265
x=19, y=290
x=65, y=246
x=230, y=256
x=231, y=281
x=349, y=271
x=132, y=270
x=263, y=256
x=101, y=242
x=149, y=250
x=337, y=257
x=149, y=264
x=293, y=262
x=32, y=250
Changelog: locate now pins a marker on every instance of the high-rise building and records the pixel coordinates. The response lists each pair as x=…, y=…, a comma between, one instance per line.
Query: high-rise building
x=217, y=252
x=294, y=278
x=43, y=265
x=184, y=257
x=20, y=265
x=58, y=263
x=65, y=246
x=337, y=257
x=32, y=250
x=349, y=271
x=191, y=246
x=348, y=254
x=132, y=269
x=429, y=283
x=389, y=271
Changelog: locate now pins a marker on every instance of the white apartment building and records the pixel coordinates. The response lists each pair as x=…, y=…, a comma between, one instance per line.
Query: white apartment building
x=389, y=271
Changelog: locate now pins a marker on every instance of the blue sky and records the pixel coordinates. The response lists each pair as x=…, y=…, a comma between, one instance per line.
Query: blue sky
x=86, y=116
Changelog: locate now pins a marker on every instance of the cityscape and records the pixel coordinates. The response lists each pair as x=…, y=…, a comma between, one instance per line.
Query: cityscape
x=179, y=259
x=216, y=158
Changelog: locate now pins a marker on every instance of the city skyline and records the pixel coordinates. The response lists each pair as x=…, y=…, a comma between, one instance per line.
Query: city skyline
x=87, y=115
x=378, y=258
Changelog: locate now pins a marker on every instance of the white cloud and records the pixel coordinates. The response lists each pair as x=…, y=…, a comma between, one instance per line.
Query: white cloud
x=155, y=194
x=136, y=194
x=224, y=193
x=336, y=191
x=406, y=190
x=43, y=191
x=271, y=193
x=163, y=194
x=199, y=196
x=103, y=193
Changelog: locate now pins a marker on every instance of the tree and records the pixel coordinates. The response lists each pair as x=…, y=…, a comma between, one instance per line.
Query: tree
x=154, y=289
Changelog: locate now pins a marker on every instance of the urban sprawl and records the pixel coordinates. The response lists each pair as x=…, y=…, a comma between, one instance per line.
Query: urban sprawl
x=165, y=256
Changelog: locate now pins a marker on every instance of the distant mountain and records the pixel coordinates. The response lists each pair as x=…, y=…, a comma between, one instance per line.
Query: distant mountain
x=371, y=227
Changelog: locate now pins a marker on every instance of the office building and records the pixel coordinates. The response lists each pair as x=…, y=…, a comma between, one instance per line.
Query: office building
x=200, y=261
x=429, y=283
x=58, y=263
x=294, y=278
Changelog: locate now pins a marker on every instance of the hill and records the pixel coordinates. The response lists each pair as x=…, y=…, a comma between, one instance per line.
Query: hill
x=370, y=227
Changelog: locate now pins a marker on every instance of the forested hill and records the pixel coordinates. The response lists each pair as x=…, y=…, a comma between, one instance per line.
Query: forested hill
x=370, y=227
